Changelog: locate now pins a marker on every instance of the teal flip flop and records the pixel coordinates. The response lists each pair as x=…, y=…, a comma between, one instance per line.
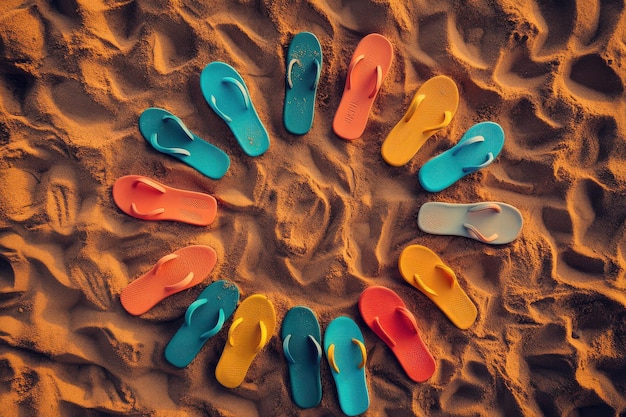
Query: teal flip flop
x=304, y=66
x=345, y=350
x=227, y=94
x=478, y=148
x=169, y=135
x=301, y=345
x=203, y=319
x=488, y=222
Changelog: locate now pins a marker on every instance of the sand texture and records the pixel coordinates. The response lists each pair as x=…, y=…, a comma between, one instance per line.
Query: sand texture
x=316, y=219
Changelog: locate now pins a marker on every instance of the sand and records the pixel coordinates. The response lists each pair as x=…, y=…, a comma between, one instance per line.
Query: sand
x=316, y=219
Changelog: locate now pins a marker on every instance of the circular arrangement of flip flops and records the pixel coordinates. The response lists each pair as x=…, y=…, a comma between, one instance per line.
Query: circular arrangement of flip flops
x=254, y=319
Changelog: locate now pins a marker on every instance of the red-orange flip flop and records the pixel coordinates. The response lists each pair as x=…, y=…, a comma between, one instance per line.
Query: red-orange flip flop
x=173, y=273
x=147, y=199
x=367, y=70
x=386, y=314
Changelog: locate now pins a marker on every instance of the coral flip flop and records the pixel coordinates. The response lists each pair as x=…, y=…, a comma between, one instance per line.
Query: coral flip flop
x=423, y=269
x=169, y=135
x=304, y=66
x=227, y=94
x=489, y=222
x=203, y=319
x=301, y=345
x=367, y=70
x=173, y=273
x=431, y=109
x=345, y=350
x=386, y=314
x=477, y=149
x=147, y=199
x=253, y=325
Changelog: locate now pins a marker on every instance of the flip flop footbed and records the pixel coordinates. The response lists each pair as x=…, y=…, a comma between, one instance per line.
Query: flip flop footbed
x=488, y=222
x=173, y=273
x=368, y=68
x=423, y=269
x=304, y=66
x=168, y=134
x=227, y=94
x=203, y=319
x=386, y=314
x=430, y=110
x=253, y=324
x=148, y=199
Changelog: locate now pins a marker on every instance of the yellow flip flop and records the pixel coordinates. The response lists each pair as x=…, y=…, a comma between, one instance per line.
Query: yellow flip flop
x=431, y=109
x=253, y=325
x=423, y=269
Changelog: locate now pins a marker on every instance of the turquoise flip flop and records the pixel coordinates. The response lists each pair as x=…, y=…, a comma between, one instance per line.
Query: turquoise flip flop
x=478, y=148
x=488, y=222
x=301, y=345
x=345, y=349
x=169, y=135
x=203, y=319
x=304, y=66
x=227, y=94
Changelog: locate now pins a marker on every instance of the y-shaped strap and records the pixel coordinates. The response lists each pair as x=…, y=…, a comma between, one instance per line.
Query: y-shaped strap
x=136, y=212
x=211, y=332
x=262, y=327
x=409, y=318
x=182, y=284
x=314, y=342
x=473, y=230
x=449, y=273
x=151, y=184
x=379, y=75
x=163, y=261
x=331, y=355
x=472, y=141
x=382, y=333
x=485, y=206
x=415, y=103
x=171, y=151
x=244, y=95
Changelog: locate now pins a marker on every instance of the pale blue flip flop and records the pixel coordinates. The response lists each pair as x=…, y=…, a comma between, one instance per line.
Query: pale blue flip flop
x=227, y=94
x=203, y=319
x=477, y=149
x=345, y=349
x=301, y=345
x=169, y=135
x=304, y=65
x=488, y=222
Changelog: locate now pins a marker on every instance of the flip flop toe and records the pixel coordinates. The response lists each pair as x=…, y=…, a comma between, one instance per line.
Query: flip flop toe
x=477, y=149
x=169, y=135
x=386, y=314
x=173, y=273
x=488, y=222
x=304, y=66
x=431, y=109
x=423, y=269
x=227, y=94
x=253, y=324
x=302, y=348
x=204, y=318
x=148, y=199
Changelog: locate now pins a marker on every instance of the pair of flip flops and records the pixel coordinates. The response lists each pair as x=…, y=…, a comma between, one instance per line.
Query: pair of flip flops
x=344, y=347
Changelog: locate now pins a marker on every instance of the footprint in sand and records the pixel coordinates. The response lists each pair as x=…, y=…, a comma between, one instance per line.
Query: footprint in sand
x=62, y=199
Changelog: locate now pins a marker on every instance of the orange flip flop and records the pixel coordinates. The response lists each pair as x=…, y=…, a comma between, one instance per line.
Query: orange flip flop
x=254, y=323
x=431, y=109
x=423, y=269
x=173, y=273
x=386, y=314
x=147, y=199
x=368, y=68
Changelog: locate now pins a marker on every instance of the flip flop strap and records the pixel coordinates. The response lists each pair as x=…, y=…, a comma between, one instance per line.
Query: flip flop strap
x=382, y=333
x=244, y=95
x=180, y=124
x=318, y=70
x=478, y=235
x=473, y=168
x=151, y=184
x=163, y=261
x=182, y=284
x=485, y=206
x=262, y=327
x=410, y=319
x=331, y=358
x=289, y=68
x=221, y=317
x=447, y=272
x=290, y=359
x=235, y=324
x=471, y=141
x=363, y=351
x=333, y=362
x=379, y=75
x=136, y=212
x=192, y=308
x=171, y=151
x=417, y=100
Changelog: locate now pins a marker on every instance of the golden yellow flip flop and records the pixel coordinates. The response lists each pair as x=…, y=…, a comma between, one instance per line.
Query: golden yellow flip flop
x=423, y=269
x=431, y=109
x=253, y=325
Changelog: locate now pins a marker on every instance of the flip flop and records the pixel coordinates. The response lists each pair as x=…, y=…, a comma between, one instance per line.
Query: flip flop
x=431, y=109
x=477, y=149
x=227, y=94
x=301, y=345
x=173, y=273
x=367, y=70
x=489, y=222
x=253, y=325
x=345, y=349
x=304, y=66
x=386, y=314
x=147, y=199
x=169, y=135
x=423, y=269
x=203, y=319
